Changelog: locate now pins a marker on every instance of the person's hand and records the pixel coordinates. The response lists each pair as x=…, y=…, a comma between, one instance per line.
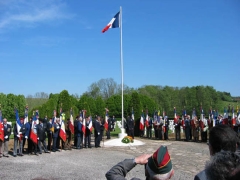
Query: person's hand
x=142, y=159
x=26, y=137
x=38, y=138
x=98, y=133
x=18, y=135
x=6, y=137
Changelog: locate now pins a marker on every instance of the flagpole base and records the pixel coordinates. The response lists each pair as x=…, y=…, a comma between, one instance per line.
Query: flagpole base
x=122, y=134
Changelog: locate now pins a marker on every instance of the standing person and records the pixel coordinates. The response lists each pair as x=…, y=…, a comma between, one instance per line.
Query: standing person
x=149, y=127
x=49, y=133
x=68, y=143
x=196, y=129
x=41, y=136
x=160, y=128
x=79, y=134
x=7, y=132
x=166, y=128
x=18, y=139
x=187, y=127
x=178, y=129
x=221, y=137
x=87, y=139
x=26, y=135
x=75, y=131
x=97, y=132
x=204, y=130
x=113, y=123
x=157, y=166
x=57, y=127
x=130, y=127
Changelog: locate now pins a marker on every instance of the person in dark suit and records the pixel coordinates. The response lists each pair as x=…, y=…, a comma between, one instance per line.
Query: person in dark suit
x=49, y=133
x=102, y=122
x=7, y=133
x=130, y=125
x=56, y=134
x=26, y=135
x=87, y=139
x=75, y=131
x=79, y=134
x=166, y=128
x=97, y=132
x=113, y=123
x=149, y=128
x=18, y=138
x=41, y=136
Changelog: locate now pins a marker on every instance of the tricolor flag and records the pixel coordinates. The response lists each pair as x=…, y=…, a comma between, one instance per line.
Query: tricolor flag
x=114, y=23
x=33, y=134
x=26, y=115
x=175, y=116
x=62, y=132
x=83, y=122
x=1, y=127
x=71, y=123
x=106, y=120
x=201, y=124
x=19, y=125
x=225, y=116
x=142, y=122
x=146, y=120
x=90, y=127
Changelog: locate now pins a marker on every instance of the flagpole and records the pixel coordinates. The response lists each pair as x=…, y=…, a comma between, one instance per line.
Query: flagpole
x=121, y=60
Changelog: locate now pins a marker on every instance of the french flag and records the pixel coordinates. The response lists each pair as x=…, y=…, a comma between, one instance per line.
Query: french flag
x=175, y=115
x=62, y=132
x=33, y=134
x=71, y=126
x=141, y=123
x=90, y=127
x=106, y=120
x=83, y=123
x=114, y=23
x=1, y=127
x=19, y=125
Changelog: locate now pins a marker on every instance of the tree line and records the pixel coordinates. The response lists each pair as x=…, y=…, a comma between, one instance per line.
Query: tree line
x=107, y=94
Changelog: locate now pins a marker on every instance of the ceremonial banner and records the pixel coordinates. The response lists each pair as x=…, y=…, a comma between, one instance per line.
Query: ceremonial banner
x=233, y=117
x=1, y=127
x=106, y=120
x=71, y=123
x=19, y=125
x=146, y=120
x=83, y=122
x=132, y=114
x=175, y=115
x=114, y=23
x=142, y=123
x=62, y=132
x=33, y=134
x=90, y=126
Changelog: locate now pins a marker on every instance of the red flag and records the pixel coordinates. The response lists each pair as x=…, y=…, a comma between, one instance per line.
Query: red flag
x=106, y=120
x=141, y=123
x=33, y=133
x=62, y=132
x=1, y=132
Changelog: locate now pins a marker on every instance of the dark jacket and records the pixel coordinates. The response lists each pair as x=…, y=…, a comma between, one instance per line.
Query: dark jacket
x=41, y=131
x=7, y=131
x=49, y=126
x=57, y=128
x=120, y=170
x=28, y=129
x=79, y=129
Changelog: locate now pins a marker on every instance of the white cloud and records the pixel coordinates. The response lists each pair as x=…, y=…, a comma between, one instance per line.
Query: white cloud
x=29, y=13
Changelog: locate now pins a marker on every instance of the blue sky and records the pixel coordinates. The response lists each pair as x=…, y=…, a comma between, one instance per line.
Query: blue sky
x=52, y=45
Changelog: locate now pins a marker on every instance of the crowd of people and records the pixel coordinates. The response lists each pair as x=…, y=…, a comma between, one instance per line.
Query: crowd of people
x=48, y=135
x=223, y=143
